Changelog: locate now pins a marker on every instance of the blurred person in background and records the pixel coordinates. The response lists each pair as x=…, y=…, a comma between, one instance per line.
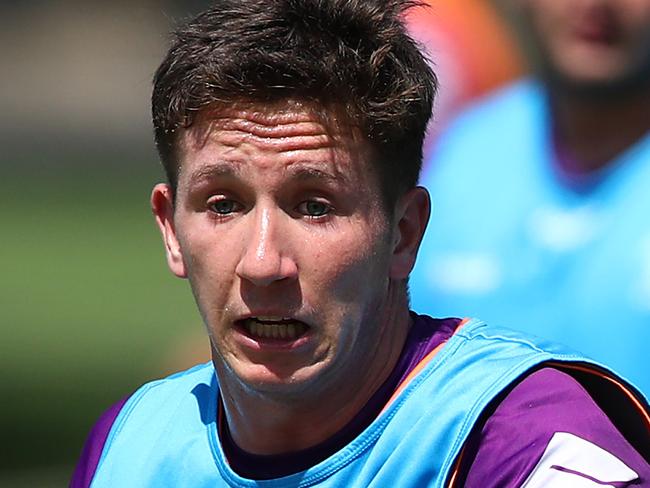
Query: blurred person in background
x=291, y=133
x=540, y=191
x=466, y=69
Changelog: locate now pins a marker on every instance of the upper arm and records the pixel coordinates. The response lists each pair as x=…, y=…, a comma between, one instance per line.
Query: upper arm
x=548, y=431
x=94, y=446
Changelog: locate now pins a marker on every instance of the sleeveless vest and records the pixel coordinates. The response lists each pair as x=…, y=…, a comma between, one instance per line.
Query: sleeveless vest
x=166, y=434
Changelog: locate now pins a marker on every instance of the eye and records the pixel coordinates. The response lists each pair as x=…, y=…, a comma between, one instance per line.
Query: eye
x=223, y=206
x=314, y=208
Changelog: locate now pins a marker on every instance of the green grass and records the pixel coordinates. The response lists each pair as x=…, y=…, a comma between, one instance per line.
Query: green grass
x=88, y=309
x=57, y=477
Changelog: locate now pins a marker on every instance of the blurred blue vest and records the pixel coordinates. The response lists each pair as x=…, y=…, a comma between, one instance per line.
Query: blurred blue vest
x=509, y=242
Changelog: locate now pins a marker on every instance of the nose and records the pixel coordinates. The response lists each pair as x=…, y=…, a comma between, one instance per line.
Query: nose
x=266, y=258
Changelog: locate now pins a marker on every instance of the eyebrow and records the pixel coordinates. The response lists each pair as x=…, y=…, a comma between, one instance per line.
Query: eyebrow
x=211, y=171
x=306, y=173
x=303, y=172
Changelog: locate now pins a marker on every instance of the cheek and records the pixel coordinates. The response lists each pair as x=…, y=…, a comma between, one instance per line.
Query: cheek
x=204, y=247
x=638, y=21
x=346, y=265
x=210, y=267
x=549, y=19
x=636, y=12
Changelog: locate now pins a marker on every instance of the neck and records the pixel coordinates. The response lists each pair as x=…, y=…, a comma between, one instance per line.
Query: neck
x=265, y=425
x=594, y=129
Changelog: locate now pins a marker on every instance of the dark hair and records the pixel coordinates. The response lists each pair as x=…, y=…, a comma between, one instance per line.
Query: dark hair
x=350, y=54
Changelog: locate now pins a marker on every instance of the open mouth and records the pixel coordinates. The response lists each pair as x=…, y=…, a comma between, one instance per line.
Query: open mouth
x=277, y=328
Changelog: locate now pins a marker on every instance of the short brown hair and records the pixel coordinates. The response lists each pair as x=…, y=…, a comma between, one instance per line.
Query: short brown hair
x=350, y=54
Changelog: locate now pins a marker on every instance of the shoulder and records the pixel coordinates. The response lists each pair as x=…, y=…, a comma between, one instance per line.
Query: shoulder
x=548, y=430
x=507, y=101
x=488, y=141
x=519, y=103
x=162, y=397
x=94, y=445
x=194, y=383
x=173, y=387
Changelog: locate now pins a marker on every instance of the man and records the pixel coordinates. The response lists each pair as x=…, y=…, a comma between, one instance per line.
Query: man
x=291, y=133
x=540, y=191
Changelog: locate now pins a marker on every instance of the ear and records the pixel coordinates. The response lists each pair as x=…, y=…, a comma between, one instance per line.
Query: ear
x=410, y=222
x=162, y=205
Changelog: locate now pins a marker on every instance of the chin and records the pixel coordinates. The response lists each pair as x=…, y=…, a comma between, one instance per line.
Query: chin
x=268, y=380
x=592, y=80
x=593, y=70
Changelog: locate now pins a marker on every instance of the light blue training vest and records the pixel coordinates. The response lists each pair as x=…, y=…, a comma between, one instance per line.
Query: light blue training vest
x=166, y=434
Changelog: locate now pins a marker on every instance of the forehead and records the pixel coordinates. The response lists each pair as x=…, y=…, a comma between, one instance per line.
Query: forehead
x=271, y=134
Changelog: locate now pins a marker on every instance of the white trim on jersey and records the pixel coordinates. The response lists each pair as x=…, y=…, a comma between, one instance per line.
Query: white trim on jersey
x=572, y=462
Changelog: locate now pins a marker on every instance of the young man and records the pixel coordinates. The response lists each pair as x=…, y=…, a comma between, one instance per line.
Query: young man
x=291, y=133
x=541, y=191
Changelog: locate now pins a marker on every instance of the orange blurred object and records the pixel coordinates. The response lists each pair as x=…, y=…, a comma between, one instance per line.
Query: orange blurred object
x=472, y=49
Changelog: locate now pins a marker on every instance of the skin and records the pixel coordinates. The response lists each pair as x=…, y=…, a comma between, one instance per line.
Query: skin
x=597, y=67
x=277, y=214
x=593, y=42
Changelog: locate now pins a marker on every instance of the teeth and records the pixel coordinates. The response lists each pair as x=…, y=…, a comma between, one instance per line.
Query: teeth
x=270, y=318
x=276, y=330
x=256, y=329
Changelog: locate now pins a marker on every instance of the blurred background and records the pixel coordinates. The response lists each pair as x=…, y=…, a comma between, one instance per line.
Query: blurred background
x=88, y=310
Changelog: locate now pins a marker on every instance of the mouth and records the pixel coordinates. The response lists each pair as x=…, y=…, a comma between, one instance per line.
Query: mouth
x=274, y=328
x=598, y=28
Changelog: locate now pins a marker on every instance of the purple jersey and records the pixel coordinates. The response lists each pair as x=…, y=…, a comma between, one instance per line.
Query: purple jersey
x=92, y=451
x=549, y=415
x=546, y=428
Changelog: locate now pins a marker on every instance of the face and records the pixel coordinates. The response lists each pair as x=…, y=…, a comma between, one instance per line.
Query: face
x=593, y=42
x=296, y=266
